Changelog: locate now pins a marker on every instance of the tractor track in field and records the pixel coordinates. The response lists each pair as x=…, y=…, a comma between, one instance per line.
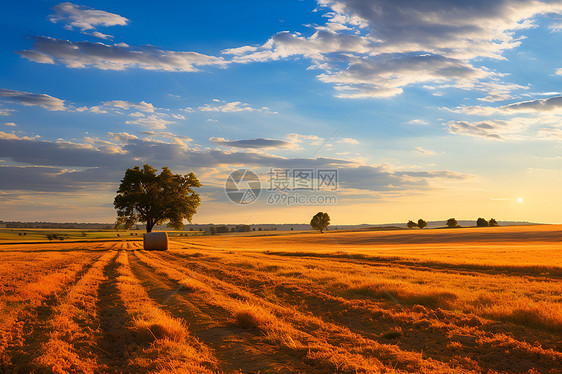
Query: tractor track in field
x=91, y=309
x=449, y=268
x=363, y=317
x=235, y=347
x=35, y=327
x=325, y=347
x=112, y=317
x=371, y=320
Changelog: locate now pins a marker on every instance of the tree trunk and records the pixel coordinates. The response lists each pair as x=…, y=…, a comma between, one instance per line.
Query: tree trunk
x=149, y=225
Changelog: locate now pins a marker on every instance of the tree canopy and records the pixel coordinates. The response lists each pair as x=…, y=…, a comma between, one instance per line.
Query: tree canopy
x=421, y=223
x=451, y=222
x=493, y=222
x=320, y=221
x=411, y=224
x=481, y=222
x=144, y=196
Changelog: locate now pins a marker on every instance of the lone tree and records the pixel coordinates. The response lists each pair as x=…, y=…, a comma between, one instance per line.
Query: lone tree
x=481, y=222
x=451, y=222
x=144, y=196
x=421, y=223
x=411, y=224
x=320, y=221
x=493, y=222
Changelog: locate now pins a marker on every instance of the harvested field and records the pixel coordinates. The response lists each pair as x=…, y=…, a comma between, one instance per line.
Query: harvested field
x=435, y=301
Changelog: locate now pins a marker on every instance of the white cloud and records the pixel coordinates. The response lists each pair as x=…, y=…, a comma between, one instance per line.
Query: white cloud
x=418, y=122
x=559, y=71
x=37, y=57
x=232, y=107
x=256, y=143
x=153, y=122
x=116, y=56
x=239, y=51
x=12, y=136
x=384, y=76
x=348, y=141
x=11, y=124
x=85, y=18
x=365, y=48
x=100, y=35
x=6, y=112
x=299, y=138
x=122, y=137
x=92, y=109
x=491, y=129
x=376, y=48
x=168, y=135
x=552, y=105
x=549, y=133
x=104, y=161
x=143, y=106
x=464, y=30
x=425, y=151
x=31, y=99
x=556, y=26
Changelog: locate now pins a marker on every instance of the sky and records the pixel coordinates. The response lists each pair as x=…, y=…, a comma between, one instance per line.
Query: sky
x=432, y=109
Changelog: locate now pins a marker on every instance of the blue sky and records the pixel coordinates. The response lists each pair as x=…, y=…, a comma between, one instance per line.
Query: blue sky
x=442, y=108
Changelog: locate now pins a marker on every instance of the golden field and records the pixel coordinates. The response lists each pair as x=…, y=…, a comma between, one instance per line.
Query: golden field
x=478, y=300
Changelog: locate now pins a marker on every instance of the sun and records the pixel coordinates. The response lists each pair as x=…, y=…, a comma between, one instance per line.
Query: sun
x=519, y=200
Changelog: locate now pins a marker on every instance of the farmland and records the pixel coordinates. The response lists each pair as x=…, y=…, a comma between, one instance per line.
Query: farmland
x=14, y=235
x=437, y=301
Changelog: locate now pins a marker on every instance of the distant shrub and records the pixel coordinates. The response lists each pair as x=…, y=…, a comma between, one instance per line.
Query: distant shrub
x=54, y=236
x=421, y=223
x=411, y=224
x=222, y=229
x=146, y=332
x=493, y=222
x=451, y=222
x=481, y=222
x=251, y=319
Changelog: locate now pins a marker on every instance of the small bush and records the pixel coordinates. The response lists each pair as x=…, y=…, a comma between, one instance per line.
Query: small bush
x=147, y=332
x=250, y=319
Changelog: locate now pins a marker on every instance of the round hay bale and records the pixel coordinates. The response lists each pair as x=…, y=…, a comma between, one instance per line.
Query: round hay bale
x=156, y=241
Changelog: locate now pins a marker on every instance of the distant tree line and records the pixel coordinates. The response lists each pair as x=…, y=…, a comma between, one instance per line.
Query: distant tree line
x=55, y=225
x=481, y=222
x=224, y=229
x=452, y=222
x=56, y=236
x=421, y=224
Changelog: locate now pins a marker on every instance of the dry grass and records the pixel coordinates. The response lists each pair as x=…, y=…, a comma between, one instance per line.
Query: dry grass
x=253, y=318
x=72, y=336
x=436, y=301
x=155, y=332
